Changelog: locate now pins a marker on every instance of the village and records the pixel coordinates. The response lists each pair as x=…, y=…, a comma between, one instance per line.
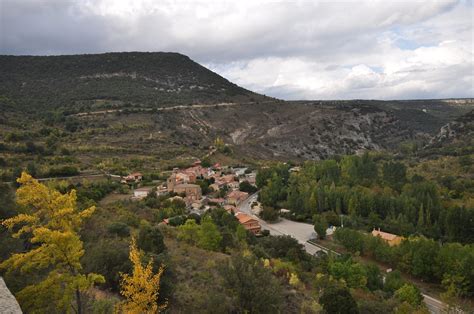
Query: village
x=223, y=188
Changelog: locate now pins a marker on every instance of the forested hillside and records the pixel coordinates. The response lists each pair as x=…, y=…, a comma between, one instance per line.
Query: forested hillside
x=376, y=191
x=80, y=82
x=429, y=203
x=195, y=264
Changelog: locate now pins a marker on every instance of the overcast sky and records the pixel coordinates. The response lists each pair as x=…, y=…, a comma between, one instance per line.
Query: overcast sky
x=290, y=50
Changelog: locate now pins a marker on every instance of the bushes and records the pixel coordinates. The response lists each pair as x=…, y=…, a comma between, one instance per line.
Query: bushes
x=352, y=240
x=119, y=228
x=63, y=171
x=176, y=220
x=209, y=237
x=255, y=289
x=336, y=299
x=418, y=256
x=410, y=294
x=269, y=213
x=108, y=257
x=245, y=186
x=374, y=277
x=206, y=235
x=354, y=274
x=284, y=247
x=95, y=191
x=150, y=239
x=393, y=281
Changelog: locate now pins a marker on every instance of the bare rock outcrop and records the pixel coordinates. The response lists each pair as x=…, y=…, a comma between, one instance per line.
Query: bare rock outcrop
x=8, y=303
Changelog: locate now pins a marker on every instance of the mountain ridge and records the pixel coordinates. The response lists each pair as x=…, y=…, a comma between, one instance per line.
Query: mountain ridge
x=116, y=101
x=152, y=79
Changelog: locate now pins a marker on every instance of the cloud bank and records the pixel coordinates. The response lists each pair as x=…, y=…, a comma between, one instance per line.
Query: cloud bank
x=290, y=50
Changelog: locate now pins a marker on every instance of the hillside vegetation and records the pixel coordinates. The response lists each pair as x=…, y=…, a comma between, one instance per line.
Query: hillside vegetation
x=81, y=82
x=121, y=112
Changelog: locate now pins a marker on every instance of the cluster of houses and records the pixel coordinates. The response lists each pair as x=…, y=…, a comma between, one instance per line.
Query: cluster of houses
x=183, y=183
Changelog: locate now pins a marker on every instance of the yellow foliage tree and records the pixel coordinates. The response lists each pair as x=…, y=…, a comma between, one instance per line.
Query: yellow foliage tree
x=219, y=143
x=50, y=222
x=141, y=289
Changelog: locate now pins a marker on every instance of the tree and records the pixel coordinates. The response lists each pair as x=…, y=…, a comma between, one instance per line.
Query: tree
x=269, y=213
x=320, y=226
x=394, y=174
x=245, y=186
x=209, y=237
x=150, y=239
x=351, y=239
x=255, y=288
x=51, y=224
x=338, y=300
x=409, y=293
x=353, y=273
x=109, y=257
x=119, y=228
x=273, y=192
x=241, y=233
x=393, y=281
x=141, y=289
x=374, y=277
x=7, y=202
x=189, y=231
x=284, y=247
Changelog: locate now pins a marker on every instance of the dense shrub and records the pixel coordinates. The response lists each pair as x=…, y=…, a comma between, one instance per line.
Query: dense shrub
x=150, y=239
x=108, y=257
x=63, y=171
x=119, y=228
x=245, y=186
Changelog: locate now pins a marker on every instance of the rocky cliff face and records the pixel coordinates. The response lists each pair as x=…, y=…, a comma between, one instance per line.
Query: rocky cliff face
x=289, y=130
x=176, y=104
x=8, y=303
x=457, y=132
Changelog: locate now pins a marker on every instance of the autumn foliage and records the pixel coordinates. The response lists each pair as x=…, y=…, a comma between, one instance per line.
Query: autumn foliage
x=141, y=288
x=50, y=222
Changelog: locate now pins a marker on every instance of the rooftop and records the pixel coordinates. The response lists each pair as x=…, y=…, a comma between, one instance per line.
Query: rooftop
x=384, y=235
x=186, y=185
x=237, y=193
x=243, y=218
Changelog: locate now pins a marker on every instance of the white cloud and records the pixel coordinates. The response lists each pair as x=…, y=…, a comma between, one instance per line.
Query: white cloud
x=296, y=50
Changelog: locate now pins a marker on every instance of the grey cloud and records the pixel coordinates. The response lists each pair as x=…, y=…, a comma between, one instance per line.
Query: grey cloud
x=330, y=37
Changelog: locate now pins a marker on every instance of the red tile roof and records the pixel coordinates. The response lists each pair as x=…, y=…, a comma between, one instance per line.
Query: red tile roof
x=243, y=218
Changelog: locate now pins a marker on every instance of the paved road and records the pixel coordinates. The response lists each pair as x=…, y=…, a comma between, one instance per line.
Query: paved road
x=298, y=230
x=435, y=306
x=303, y=232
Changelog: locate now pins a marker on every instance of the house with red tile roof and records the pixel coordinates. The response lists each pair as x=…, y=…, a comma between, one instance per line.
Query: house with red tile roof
x=249, y=223
x=218, y=201
x=134, y=177
x=236, y=197
x=231, y=209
